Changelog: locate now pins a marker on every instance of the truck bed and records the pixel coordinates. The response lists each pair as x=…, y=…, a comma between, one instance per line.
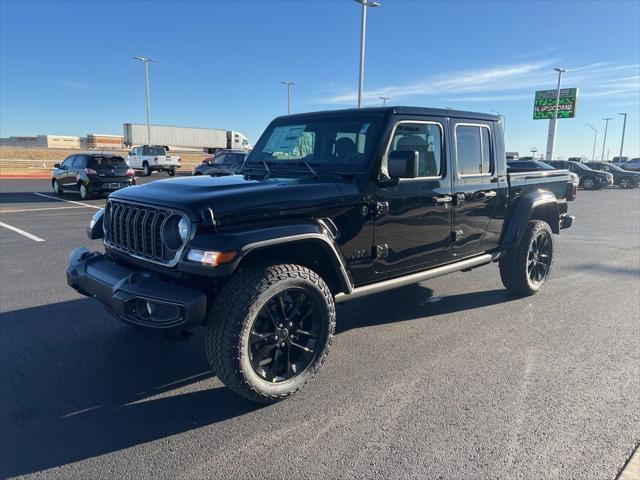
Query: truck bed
x=557, y=182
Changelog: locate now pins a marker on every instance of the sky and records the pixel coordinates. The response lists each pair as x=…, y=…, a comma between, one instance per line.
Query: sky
x=66, y=68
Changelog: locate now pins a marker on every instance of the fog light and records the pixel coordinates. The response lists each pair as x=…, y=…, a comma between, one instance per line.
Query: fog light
x=210, y=257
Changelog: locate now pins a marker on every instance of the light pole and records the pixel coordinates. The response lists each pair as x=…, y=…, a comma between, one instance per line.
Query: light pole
x=595, y=139
x=363, y=31
x=551, y=138
x=146, y=89
x=534, y=150
x=604, y=141
x=384, y=100
x=288, y=84
x=624, y=127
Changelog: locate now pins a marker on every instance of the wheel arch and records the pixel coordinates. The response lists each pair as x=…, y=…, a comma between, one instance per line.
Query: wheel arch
x=311, y=250
x=540, y=205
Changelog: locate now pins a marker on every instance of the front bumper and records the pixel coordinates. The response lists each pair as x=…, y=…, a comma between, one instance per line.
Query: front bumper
x=137, y=297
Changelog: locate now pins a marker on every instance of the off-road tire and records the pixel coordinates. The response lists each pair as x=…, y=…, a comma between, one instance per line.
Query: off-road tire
x=513, y=266
x=146, y=170
x=232, y=317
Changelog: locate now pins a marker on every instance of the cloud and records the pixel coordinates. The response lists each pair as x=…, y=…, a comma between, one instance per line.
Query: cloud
x=70, y=84
x=504, y=77
x=515, y=81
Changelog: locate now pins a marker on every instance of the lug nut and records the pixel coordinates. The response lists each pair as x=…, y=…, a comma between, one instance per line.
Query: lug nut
x=275, y=337
x=291, y=324
x=282, y=344
x=279, y=325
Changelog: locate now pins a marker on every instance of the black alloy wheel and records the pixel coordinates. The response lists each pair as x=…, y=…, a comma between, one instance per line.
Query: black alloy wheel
x=539, y=257
x=284, y=336
x=270, y=330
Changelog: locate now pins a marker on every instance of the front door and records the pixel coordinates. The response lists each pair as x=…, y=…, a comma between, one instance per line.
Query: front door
x=412, y=228
x=475, y=184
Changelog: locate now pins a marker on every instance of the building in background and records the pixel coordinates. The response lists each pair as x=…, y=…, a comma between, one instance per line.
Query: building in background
x=98, y=141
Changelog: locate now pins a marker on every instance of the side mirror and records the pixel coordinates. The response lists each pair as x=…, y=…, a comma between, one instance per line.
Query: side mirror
x=403, y=164
x=57, y=165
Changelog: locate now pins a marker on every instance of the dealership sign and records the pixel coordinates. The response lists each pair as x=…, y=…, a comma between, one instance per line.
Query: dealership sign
x=544, y=106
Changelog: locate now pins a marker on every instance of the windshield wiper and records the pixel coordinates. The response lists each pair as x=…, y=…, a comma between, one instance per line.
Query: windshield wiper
x=266, y=167
x=311, y=169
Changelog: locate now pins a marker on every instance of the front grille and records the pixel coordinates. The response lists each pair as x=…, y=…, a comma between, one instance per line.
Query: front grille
x=137, y=230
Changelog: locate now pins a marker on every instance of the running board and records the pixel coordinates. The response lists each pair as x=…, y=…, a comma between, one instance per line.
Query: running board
x=414, y=278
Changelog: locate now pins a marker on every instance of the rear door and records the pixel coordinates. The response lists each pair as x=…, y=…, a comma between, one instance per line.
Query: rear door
x=75, y=174
x=65, y=171
x=412, y=227
x=476, y=183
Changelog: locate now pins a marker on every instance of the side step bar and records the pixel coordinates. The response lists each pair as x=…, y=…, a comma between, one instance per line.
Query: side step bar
x=414, y=278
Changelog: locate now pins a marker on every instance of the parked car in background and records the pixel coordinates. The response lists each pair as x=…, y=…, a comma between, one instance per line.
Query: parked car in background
x=535, y=166
x=91, y=174
x=619, y=160
x=153, y=158
x=225, y=162
x=633, y=165
x=621, y=177
x=577, y=159
x=589, y=179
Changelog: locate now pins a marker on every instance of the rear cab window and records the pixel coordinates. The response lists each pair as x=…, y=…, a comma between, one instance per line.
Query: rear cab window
x=474, y=154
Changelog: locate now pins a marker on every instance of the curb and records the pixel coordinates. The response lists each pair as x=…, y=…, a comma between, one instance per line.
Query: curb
x=34, y=176
x=631, y=469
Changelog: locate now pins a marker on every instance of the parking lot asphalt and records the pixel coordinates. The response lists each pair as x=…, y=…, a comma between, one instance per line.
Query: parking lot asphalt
x=452, y=378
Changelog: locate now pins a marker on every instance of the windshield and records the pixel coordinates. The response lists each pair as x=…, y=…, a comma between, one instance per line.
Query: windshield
x=579, y=165
x=339, y=141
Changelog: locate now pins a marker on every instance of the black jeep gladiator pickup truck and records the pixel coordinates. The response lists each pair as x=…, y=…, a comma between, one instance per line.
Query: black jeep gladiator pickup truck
x=330, y=206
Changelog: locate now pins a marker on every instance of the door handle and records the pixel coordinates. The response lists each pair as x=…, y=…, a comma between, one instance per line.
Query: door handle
x=488, y=194
x=440, y=199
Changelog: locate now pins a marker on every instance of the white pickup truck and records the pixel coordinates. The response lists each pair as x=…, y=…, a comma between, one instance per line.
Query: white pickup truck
x=153, y=158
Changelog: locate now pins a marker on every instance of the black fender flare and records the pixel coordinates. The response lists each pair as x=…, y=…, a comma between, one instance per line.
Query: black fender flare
x=247, y=241
x=539, y=204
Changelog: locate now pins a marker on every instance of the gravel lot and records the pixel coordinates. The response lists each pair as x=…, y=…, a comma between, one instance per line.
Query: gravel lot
x=450, y=379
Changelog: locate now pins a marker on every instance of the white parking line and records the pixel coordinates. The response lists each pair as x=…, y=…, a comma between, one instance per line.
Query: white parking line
x=39, y=209
x=69, y=201
x=22, y=232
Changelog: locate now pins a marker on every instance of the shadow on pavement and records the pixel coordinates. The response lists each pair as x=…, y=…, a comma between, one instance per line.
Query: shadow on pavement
x=76, y=384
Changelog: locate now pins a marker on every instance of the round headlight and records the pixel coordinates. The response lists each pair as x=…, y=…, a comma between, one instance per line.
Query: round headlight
x=175, y=231
x=183, y=229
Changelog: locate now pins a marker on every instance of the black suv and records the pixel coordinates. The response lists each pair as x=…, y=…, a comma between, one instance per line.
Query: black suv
x=225, y=162
x=91, y=174
x=589, y=179
x=332, y=206
x=621, y=177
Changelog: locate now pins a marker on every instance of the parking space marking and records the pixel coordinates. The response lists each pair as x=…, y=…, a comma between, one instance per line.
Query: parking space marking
x=69, y=201
x=39, y=209
x=22, y=232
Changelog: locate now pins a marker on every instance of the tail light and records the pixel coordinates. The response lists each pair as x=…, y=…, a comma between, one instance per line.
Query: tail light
x=179, y=160
x=90, y=171
x=130, y=172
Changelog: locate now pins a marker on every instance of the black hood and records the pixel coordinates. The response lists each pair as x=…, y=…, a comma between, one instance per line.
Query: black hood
x=234, y=195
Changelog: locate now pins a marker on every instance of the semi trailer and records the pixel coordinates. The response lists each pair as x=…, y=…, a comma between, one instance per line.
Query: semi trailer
x=206, y=139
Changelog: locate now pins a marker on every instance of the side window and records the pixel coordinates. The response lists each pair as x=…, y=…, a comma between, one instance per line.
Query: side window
x=80, y=161
x=469, y=150
x=66, y=165
x=424, y=138
x=145, y=151
x=487, y=158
